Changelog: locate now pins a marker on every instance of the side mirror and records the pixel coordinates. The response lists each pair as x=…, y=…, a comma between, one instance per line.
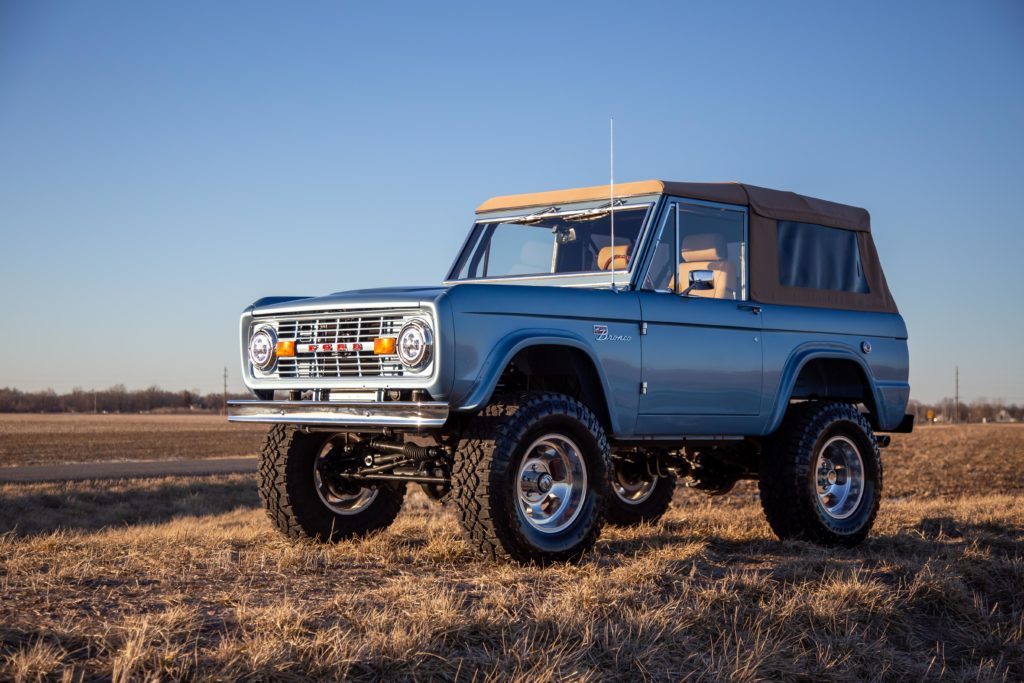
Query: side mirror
x=701, y=280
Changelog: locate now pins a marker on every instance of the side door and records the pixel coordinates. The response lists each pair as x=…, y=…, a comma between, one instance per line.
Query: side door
x=702, y=350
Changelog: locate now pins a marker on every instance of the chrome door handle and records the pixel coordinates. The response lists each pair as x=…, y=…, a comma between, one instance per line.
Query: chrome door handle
x=750, y=307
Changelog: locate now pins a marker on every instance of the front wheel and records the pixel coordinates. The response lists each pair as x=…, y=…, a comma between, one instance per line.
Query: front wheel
x=639, y=496
x=821, y=475
x=304, y=496
x=530, y=478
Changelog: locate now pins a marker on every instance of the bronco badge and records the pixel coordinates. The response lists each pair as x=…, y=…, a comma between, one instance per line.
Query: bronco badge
x=601, y=334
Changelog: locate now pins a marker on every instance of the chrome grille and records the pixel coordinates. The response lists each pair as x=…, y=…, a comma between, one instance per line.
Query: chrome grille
x=348, y=329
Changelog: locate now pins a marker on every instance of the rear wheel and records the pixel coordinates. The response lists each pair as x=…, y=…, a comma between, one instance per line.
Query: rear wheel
x=638, y=495
x=821, y=475
x=530, y=479
x=304, y=496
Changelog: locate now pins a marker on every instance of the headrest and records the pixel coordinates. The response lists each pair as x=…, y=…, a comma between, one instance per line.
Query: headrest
x=604, y=257
x=708, y=246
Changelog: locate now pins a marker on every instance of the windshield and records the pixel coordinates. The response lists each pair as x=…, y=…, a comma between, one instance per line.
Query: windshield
x=552, y=242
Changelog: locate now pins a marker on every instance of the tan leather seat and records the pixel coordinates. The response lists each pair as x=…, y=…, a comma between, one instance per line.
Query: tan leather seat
x=604, y=257
x=707, y=251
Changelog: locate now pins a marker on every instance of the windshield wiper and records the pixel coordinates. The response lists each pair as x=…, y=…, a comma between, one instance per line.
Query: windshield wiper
x=533, y=217
x=594, y=214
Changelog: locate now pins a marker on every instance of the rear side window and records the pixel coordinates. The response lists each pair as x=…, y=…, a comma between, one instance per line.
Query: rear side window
x=819, y=257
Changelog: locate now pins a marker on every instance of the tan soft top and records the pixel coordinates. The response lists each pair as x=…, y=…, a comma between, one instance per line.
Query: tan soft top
x=777, y=204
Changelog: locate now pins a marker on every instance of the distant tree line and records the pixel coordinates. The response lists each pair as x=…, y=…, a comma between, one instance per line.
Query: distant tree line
x=116, y=399
x=979, y=410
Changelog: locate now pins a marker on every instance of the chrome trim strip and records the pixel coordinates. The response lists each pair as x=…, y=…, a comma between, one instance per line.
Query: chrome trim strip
x=598, y=277
x=341, y=414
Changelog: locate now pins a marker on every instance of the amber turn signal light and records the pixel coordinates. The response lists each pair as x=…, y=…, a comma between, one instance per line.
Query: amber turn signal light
x=285, y=349
x=384, y=346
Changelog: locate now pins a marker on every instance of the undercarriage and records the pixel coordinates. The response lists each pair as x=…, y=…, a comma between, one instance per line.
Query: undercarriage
x=366, y=458
x=361, y=459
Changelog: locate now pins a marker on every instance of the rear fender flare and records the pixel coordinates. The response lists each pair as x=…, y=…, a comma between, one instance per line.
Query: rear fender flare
x=800, y=357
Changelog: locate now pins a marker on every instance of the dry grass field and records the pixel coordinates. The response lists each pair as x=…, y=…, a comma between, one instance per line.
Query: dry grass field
x=30, y=439
x=184, y=578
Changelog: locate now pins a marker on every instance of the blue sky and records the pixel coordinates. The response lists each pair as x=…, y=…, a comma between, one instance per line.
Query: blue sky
x=163, y=164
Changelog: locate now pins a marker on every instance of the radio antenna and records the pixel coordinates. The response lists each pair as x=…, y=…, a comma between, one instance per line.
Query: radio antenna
x=611, y=190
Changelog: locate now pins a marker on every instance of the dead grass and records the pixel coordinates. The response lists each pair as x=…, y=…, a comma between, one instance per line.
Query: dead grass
x=948, y=460
x=46, y=439
x=184, y=578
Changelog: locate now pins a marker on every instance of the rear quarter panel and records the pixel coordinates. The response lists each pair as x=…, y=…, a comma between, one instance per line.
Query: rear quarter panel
x=794, y=335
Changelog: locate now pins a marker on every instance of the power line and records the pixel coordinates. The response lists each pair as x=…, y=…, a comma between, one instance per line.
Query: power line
x=956, y=396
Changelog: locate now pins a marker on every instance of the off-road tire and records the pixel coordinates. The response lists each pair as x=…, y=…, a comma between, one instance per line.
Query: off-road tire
x=787, y=479
x=486, y=465
x=621, y=513
x=288, y=491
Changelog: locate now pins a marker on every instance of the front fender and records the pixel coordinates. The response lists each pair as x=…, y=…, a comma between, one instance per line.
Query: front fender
x=503, y=353
x=804, y=354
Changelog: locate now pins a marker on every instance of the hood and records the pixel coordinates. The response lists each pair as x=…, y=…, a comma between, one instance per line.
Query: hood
x=384, y=297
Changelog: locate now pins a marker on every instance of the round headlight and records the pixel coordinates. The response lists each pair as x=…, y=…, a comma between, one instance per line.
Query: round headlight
x=414, y=343
x=261, y=348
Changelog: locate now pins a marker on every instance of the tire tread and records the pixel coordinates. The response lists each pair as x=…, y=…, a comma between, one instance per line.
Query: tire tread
x=278, y=489
x=788, y=504
x=482, y=463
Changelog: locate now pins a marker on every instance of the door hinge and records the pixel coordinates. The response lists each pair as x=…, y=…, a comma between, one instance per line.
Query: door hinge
x=643, y=328
x=643, y=388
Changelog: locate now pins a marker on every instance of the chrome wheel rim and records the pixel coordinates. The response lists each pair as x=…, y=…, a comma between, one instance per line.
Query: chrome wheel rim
x=340, y=501
x=839, y=477
x=551, y=485
x=633, y=490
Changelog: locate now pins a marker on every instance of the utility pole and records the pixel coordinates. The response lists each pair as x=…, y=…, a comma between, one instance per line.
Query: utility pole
x=225, y=407
x=94, y=411
x=956, y=396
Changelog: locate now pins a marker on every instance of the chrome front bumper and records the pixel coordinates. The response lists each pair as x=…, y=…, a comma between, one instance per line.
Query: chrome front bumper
x=341, y=414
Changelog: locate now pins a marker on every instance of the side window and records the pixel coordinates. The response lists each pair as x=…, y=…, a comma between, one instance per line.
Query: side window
x=819, y=257
x=696, y=237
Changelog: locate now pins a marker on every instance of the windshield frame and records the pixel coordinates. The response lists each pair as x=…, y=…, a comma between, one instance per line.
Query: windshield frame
x=623, y=278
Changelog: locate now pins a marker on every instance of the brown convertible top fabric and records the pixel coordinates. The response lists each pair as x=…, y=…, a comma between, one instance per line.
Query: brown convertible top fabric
x=767, y=207
x=790, y=206
x=578, y=194
x=766, y=288
x=769, y=203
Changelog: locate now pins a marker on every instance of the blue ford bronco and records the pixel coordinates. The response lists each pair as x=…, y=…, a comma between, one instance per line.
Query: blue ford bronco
x=588, y=350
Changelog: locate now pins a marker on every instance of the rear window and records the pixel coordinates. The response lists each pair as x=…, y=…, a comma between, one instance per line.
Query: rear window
x=819, y=257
